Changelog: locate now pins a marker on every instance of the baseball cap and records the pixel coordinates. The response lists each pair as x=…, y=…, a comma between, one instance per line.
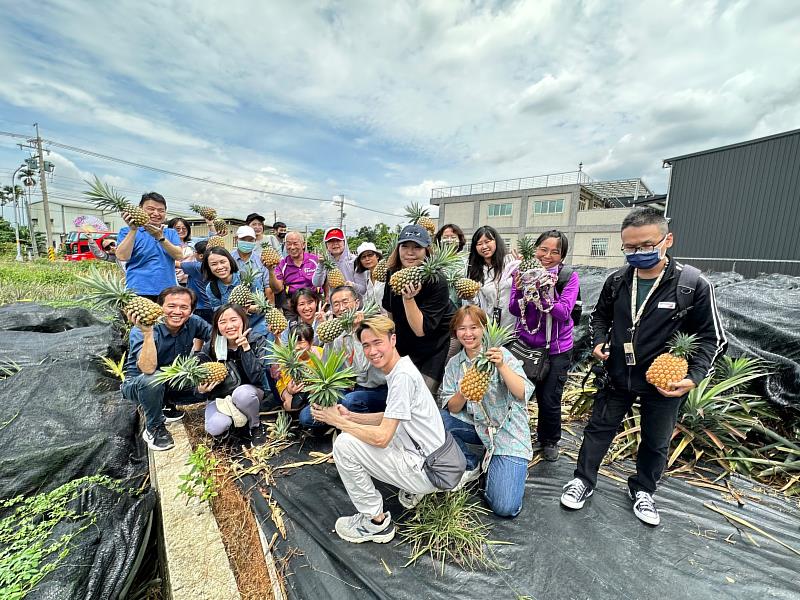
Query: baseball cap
x=367, y=247
x=334, y=234
x=416, y=234
x=245, y=231
x=254, y=217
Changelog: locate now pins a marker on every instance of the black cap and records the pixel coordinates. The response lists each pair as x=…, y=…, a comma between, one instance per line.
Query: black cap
x=416, y=234
x=253, y=217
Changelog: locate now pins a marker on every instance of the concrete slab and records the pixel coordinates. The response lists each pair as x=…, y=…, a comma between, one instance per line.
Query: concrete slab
x=197, y=565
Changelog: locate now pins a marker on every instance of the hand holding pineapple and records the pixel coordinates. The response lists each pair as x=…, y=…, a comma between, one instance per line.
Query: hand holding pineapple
x=668, y=371
x=410, y=290
x=205, y=388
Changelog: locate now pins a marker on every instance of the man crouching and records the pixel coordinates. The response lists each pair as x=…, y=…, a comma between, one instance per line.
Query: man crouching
x=389, y=446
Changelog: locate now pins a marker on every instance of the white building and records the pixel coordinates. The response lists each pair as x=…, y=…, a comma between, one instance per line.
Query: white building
x=63, y=214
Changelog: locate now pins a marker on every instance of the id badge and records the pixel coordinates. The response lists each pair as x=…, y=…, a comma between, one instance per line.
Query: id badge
x=497, y=312
x=630, y=356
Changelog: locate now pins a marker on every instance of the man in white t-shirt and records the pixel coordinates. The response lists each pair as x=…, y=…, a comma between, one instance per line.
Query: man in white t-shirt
x=381, y=445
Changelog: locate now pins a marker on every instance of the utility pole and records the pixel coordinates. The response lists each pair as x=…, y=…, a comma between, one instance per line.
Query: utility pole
x=274, y=216
x=341, y=210
x=43, y=181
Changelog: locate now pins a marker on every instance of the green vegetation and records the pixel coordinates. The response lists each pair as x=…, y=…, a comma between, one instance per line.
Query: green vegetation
x=45, y=282
x=29, y=549
x=200, y=482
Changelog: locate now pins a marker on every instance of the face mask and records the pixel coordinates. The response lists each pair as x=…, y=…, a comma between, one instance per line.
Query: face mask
x=246, y=247
x=644, y=260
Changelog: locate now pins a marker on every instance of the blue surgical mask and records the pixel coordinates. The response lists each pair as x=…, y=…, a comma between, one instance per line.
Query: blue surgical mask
x=245, y=247
x=644, y=260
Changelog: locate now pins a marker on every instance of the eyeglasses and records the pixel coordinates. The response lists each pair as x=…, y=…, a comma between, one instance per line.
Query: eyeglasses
x=628, y=249
x=109, y=246
x=546, y=252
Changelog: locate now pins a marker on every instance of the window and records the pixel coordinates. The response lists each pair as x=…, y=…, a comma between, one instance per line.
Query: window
x=500, y=210
x=548, y=207
x=599, y=247
x=507, y=242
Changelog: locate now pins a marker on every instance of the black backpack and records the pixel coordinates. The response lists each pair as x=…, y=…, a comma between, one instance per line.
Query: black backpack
x=687, y=283
x=563, y=277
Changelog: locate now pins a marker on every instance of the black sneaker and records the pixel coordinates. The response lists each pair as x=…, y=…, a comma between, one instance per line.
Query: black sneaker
x=575, y=493
x=159, y=438
x=258, y=435
x=172, y=414
x=644, y=507
x=550, y=452
x=223, y=439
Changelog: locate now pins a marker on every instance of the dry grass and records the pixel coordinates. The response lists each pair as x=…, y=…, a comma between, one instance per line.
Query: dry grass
x=236, y=524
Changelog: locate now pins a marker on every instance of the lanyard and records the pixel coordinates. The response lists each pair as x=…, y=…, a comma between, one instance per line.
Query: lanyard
x=636, y=315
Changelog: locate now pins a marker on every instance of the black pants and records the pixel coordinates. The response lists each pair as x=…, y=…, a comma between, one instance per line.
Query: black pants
x=548, y=398
x=658, y=417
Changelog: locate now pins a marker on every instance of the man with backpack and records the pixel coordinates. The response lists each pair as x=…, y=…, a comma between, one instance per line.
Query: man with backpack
x=640, y=309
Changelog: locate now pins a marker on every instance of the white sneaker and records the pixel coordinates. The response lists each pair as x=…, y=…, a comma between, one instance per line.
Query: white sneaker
x=409, y=500
x=468, y=477
x=575, y=493
x=359, y=528
x=644, y=507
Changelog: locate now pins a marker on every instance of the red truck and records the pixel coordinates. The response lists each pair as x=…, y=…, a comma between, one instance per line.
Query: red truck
x=77, y=245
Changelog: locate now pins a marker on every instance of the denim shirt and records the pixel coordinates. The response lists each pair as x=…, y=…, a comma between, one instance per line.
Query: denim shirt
x=256, y=320
x=499, y=408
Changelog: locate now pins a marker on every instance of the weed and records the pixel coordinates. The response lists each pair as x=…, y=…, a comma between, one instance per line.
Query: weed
x=200, y=482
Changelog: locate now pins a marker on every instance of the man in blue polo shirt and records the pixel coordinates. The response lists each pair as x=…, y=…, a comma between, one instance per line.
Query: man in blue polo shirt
x=157, y=346
x=150, y=250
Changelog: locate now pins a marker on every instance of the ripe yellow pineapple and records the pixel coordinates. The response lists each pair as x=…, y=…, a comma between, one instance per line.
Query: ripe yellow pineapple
x=527, y=249
x=466, y=288
x=220, y=226
x=106, y=289
x=379, y=272
x=333, y=328
x=215, y=241
x=276, y=321
x=420, y=216
x=188, y=371
x=475, y=382
x=270, y=257
x=334, y=277
x=672, y=367
x=204, y=211
x=105, y=197
x=441, y=260
x=242, y=294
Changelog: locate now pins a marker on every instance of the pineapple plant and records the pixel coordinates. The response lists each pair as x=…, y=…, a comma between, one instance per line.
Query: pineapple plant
x=220, y=226
x=441, y=259
x=328, y=378
x=242, y=294
x=420, y=216
x=466, y=288
x=106, y=289
x=204, y=211
x=275, y=319
x=287, y=357
x=270, y=257
x=333, y=328
x=475, y=382
x=672, y=366
x=105, y=197
x=527, y=249
x=334, y=276
x=188, y=371
x=215, y=241
x=279, y=431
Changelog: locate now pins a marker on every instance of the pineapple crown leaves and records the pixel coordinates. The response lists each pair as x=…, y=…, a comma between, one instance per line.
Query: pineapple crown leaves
x=348, y=317
x=494, y=336
x=104, y=196
x=248, y=277
x=328, y=378
x=527, y=248
x=287, y=357
x=260, y=300
x=682, y=344
x=443, y=258
x=184, y=372
x=415, y=212
x=106, y=289
x=391, y=244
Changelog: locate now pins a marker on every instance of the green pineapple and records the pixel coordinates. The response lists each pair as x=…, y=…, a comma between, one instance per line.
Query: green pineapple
x=287, y=357
x=441, y=260
x=328, y=379
x=527, y=249
x=279, y=431
x=276, y=321
x=333, y=328
x=475, y=382
x=105, y=197
x=188, y=371
x=242, y=294
x=107, y=289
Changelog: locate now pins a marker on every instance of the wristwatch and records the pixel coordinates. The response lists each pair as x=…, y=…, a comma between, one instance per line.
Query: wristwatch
x=161, y=239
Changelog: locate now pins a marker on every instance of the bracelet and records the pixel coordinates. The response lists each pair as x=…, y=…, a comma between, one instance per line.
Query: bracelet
x=161, y=239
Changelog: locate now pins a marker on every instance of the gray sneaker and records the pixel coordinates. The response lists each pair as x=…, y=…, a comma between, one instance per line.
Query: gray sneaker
x=409, y=500
x=359, y=528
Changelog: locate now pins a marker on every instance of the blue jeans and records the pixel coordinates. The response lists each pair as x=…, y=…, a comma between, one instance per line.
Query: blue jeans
x=360, y=400
x=506, y=475
x=141, y=390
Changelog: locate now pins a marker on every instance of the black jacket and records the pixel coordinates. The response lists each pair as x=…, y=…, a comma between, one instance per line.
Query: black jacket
x=243, y=367
x=611, y=322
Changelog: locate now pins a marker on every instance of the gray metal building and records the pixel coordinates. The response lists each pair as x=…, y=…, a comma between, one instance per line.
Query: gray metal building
x=737, y=208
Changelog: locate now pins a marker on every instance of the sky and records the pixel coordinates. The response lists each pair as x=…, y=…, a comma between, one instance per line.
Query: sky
x=382, y=101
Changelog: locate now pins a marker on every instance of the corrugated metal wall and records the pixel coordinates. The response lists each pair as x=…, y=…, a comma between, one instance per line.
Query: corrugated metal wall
x=739, y=203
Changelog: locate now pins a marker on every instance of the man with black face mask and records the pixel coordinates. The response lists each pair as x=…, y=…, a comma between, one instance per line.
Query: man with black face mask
x=278, y=238
x=640, y=309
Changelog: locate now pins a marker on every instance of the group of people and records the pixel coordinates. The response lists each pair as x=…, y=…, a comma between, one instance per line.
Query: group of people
x=407, y=406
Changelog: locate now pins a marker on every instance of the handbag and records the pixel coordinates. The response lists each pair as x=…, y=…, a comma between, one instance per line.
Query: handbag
x=535, y=361
x=445, y=465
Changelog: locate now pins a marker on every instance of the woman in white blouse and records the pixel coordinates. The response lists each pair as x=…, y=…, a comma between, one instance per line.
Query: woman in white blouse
x=367, y=258
x=491, y=265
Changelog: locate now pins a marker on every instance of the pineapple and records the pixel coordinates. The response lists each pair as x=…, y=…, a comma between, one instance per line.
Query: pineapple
x=188, y=371
x=270, y=257
x=276, y=322
x=476, y=380
x=334, y=278
x=109, y=290
x=220, y=226
x=204, y=211
x=528, y=251
x=333, y=328
x=287, y=357
x=328, y=378
x=105, y=197
x=672, y=367
x=215, y=241
x=466, y=288
x=279, y=431
x=379, y=272
x=420, y=216
x=242, y=294
x=441, y=259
